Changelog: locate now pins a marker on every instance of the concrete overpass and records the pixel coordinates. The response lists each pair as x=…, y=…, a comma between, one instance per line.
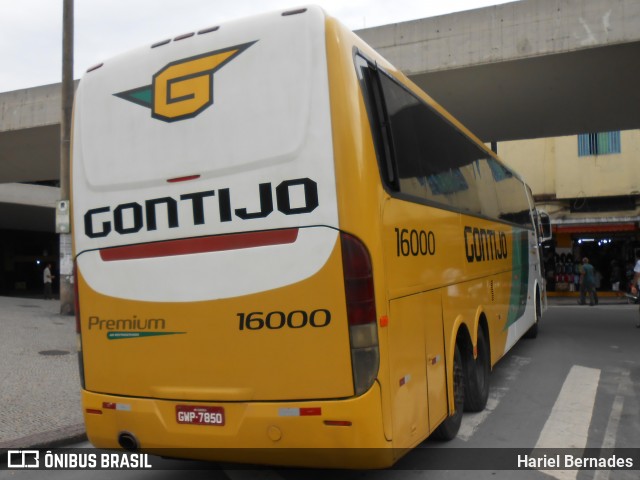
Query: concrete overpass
x=528, y=69
x=29, y=152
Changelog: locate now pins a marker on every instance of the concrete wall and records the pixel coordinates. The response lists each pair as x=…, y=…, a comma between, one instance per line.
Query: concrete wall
x=506, y=32
x=30, y=108
x=534, y=160
x=552, y=166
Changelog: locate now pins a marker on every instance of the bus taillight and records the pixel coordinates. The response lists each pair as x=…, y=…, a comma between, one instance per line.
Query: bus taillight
x=78, y=323
x=76, y=300
x=361, y=312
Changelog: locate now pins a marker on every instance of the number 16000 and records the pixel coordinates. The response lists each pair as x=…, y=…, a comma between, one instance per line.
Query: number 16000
x=415, y=242
x=277, y=320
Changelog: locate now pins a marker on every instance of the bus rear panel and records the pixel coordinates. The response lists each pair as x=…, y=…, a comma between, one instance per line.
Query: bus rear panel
x=221, y=309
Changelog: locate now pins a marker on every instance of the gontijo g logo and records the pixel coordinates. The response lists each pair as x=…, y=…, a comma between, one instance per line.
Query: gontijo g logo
x=184, y=88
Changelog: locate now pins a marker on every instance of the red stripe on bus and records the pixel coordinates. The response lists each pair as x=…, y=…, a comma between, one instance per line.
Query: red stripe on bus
x=183, y=179
x=187, y=246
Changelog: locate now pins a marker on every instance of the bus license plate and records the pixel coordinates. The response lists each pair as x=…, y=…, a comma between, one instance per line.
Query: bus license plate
x=199, y=415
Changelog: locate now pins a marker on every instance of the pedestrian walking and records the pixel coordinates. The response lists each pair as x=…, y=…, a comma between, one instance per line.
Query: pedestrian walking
x=587, y=283
x=48, y=280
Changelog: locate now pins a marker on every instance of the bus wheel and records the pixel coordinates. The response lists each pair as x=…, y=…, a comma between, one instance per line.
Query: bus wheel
x=477, y=376
x=448, y=429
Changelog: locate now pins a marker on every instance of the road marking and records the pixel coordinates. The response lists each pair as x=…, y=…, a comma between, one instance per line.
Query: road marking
x=610, y=434
x=472, y=421
x=568, y=424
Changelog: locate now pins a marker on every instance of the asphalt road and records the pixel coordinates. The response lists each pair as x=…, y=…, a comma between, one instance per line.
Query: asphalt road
x=576, y=386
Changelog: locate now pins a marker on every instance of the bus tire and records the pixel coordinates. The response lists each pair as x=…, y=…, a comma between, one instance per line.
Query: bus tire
x=448, y=429
x=533, y=331
x=476, y=374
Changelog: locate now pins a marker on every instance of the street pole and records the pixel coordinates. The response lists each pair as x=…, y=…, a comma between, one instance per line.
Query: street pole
x=67, y=300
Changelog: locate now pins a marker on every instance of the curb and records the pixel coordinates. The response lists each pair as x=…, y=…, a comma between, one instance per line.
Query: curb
x=51, y=439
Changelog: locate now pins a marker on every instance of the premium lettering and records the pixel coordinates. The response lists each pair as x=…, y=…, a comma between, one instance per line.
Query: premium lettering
x=134, y=323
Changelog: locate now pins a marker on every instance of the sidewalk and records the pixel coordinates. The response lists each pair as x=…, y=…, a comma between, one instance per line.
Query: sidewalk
x=39, y=380
x=571, y=298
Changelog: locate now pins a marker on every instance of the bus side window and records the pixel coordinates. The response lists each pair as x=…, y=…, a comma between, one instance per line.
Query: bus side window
x=370, y=83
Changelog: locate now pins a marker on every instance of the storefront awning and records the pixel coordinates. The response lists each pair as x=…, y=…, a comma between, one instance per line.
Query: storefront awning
x=595, y=225
x=602, y=228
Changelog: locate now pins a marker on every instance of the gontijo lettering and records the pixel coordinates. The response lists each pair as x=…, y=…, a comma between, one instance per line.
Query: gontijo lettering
x=483, y=245
x=99, y=222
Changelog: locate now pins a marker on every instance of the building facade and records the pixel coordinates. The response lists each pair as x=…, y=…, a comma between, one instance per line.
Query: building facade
x=590, y=186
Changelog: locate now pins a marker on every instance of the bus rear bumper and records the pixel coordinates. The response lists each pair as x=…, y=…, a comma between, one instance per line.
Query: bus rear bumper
x=328, y=434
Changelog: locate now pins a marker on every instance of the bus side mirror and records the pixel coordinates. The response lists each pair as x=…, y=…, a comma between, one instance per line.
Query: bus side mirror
x=545, y=227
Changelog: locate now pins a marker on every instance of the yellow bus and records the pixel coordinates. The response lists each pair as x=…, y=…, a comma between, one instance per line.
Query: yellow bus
x=286, y=252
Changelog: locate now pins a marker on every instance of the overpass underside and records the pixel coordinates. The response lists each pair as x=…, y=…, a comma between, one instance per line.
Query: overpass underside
x=584, y=91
